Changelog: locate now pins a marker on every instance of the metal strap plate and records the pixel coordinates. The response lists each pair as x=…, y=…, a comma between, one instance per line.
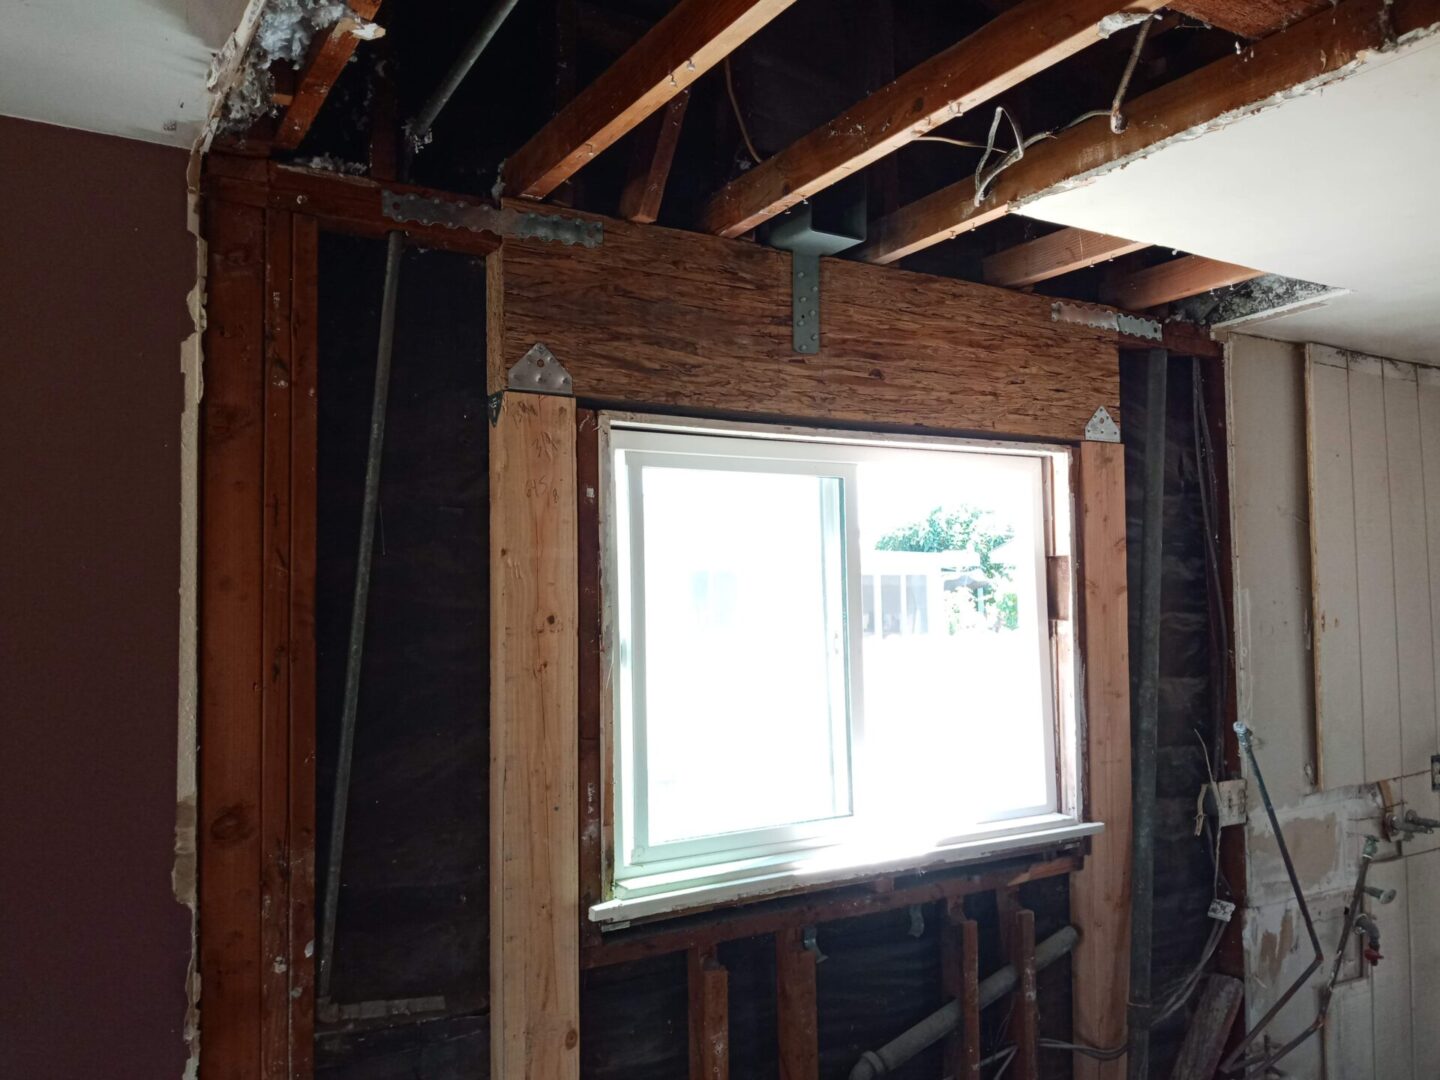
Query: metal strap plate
x=502, y=221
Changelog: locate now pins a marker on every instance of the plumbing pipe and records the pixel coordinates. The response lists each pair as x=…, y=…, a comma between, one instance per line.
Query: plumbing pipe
x=1147, y=717
x=1246, y=737
x=940, y=1023
x=419, y=128
x=394, y=246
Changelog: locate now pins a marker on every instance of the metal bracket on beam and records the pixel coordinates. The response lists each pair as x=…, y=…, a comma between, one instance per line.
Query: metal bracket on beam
x=501, y=221
x=538, y=372
x=1102, y=427
x=1103, y=318
x=805, y=302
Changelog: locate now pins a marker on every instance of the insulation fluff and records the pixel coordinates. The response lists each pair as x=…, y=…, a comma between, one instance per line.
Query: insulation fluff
x=286, y=29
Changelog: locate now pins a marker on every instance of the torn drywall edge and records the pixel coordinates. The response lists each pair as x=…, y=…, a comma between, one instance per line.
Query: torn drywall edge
x=185, y=874
x=227, y=69
x=1088, y=176
x=283, y=31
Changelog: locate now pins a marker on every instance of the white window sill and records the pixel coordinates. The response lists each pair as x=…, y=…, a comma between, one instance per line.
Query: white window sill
x=642, y=899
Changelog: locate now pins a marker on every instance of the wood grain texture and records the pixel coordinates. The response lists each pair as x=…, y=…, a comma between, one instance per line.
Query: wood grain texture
x=231, y=595
x=1312, y=49
x=1100, y=894
x=1209, y=1028
x=1053, y=254
x=1250, y=18
x=1339, y=730
x=694, y=37
x=1025, y=1011
x=534, y=937
x=709, y=1017
x=1189, y=275
x=1015, y=45
x=329, y=53
x=795, y=1005
x=960, y=979
x=650, y=162
x=655, y=317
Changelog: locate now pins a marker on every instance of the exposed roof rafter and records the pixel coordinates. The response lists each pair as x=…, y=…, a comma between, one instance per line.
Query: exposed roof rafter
x=1189, y=275
x=1310, y=51
x=1054, y=254
x=681, y=47
x=329, y=54
x=1030, y=37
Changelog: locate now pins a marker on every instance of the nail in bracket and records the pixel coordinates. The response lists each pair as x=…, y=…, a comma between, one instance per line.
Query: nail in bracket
x=809, y=231
x=501, y=221
x=537, y=372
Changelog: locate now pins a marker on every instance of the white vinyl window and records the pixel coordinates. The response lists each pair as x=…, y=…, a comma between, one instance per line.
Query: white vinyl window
x=827, y=654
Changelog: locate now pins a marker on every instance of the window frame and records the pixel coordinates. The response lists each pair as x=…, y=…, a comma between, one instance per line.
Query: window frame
x=815, y=853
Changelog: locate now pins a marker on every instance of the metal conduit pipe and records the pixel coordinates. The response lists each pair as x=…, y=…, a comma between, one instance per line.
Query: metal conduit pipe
x=940, y=1023
x=360, y=601
x=419, y=128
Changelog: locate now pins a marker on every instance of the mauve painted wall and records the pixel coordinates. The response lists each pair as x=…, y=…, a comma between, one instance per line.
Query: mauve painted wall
x=95, y=263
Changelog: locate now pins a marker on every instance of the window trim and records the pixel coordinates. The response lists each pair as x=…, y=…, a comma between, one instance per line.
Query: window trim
x=808, y=857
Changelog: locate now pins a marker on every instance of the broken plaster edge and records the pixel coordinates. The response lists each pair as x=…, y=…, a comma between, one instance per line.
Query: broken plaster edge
x=1302, y=89
x=184, y=874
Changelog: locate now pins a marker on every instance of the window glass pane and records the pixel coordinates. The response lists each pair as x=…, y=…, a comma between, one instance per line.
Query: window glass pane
x=744, y=707
x=954, y=696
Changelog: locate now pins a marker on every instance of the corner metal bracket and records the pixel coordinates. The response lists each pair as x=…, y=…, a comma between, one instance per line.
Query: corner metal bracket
x=805, y=302
x=501, y=221
x=538, y=372
x=1102, y=427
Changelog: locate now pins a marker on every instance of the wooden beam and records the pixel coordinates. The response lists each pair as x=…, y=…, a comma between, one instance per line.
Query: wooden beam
x=1209, y=1029
x=960, y=979
x=1027, y=39
x=1321, y=46
x=534, y=846
x=1189, y=275
x=1054, y=254
x=329, y=53
x=1025, y=1013
x=650, y=164
x=1249, y=18
x=709, y=1017
x=688, y=42
x=795, y=1006
x=1100, y=894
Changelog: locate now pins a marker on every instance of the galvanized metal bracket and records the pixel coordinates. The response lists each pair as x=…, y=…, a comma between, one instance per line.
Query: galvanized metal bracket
x=805, y=302
x=501, y=221
x=538, y=372
x=1103, y=318
x=1102, y=427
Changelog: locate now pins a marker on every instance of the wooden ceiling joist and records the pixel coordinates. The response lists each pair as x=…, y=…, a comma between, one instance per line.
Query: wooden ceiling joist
x=1189, y=275
x=650, y=163
x=693, y=38
x=1249, y=18
x=1320, y=46
x=1027, y=39
x=1054, y=254
x=329, y=53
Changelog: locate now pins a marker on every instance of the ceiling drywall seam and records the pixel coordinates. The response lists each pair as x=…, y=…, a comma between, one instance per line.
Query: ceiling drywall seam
x=1226, y=119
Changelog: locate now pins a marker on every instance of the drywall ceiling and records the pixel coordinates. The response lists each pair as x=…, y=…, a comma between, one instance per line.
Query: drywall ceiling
x=1337, y=186
x=136, y=68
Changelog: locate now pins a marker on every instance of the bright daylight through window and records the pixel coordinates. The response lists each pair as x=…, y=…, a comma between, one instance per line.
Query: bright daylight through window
x=828, y=654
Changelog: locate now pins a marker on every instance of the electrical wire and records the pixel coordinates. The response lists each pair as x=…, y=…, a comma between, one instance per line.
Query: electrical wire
x=739, y=119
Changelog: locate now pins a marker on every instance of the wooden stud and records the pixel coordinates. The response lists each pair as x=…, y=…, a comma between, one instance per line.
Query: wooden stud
x=1189, y=275
x=275, y=653
x=534, y=902
x=304, y=479
x=650, y=163
x=1025, y=1015
x=709, y=1017
x=960, y=978
x=1032, y=36
x=1204, y=1043
x=1056, y=253
x=231, y=667
x=1319, y=46
x=591, y=679
x=1100, y=894
x=329, y=53
x=693, y=38
x=795, y=1005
